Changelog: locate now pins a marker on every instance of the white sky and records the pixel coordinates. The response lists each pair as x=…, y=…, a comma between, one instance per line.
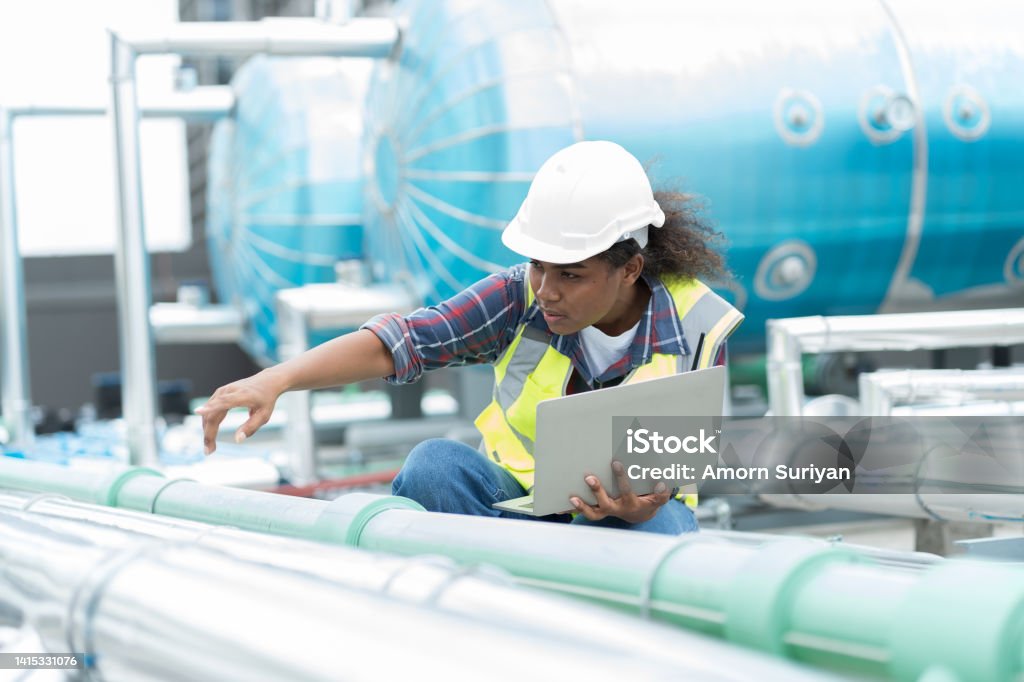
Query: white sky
x=55, y=51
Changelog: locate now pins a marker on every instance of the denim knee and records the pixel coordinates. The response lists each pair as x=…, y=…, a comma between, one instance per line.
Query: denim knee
x=427, y=466
x=449, y=476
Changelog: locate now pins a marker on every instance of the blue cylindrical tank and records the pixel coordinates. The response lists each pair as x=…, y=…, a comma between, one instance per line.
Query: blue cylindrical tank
x=284, y=199
x=857, y=156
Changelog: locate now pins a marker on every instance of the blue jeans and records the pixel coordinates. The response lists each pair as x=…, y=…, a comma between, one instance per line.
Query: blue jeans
x=449, y=476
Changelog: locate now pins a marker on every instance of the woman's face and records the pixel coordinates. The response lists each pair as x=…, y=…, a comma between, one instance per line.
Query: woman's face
x=577, y=295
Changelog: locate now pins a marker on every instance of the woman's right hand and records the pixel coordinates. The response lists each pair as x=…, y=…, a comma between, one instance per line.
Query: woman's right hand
x=259, y=393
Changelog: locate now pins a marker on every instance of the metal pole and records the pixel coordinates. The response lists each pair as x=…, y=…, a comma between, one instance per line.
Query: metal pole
x=300, y=435
x=16, y=391
x=131, y=262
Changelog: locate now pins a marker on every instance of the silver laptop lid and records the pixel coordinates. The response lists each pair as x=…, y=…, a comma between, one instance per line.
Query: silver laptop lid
x=574, y=433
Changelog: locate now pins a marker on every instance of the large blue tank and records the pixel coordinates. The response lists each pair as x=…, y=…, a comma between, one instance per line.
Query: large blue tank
x=284, y=200
x=858, y=156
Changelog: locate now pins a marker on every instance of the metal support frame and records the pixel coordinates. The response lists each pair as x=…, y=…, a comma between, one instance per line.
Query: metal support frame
x=199, y=104
x=879, y=391
x=315, y=307
x=296, y=37
x=789, y=338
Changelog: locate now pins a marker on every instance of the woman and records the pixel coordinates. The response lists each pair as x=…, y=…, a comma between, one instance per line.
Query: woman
x=610, y=295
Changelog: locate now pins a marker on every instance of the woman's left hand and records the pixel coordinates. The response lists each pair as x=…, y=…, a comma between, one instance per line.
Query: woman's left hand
x=628, y=506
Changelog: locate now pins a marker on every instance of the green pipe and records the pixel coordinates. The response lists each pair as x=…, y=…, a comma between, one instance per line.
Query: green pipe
x=752, y=370
x=147, y=490
x=801, y=599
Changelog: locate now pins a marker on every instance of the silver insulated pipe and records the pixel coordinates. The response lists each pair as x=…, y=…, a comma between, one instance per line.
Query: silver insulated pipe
x=157, y=598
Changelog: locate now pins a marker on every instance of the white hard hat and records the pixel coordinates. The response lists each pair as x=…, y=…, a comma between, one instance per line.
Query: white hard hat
x=584, y=199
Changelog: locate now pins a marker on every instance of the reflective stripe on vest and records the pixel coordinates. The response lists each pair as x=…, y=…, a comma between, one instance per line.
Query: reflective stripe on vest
x=531, y=370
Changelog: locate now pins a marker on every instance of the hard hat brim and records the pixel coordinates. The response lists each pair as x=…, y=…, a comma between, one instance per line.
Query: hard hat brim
x=515, y=239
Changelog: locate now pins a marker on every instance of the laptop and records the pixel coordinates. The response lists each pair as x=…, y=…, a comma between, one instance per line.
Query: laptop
x=574, y=435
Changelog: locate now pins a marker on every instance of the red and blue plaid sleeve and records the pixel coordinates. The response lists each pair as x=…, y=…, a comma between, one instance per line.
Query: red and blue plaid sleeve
x=472, y=327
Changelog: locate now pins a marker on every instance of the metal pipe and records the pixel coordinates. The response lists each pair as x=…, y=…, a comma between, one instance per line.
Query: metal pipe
x=481, y=598
x=879, y=391
x=789, y=338
x=131, y=263
x=202, y=103
x=358, y=38
x=780, y=597
x=215, y=617
x=299, y=434
x=16, y=387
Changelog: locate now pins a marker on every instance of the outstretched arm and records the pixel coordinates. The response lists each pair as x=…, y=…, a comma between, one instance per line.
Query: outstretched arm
x=354, y=357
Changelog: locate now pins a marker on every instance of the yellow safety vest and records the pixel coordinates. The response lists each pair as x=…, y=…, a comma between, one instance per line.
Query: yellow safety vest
x=531, y=370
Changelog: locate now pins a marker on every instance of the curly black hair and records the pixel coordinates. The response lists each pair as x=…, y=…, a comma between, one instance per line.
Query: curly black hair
x=684, y=247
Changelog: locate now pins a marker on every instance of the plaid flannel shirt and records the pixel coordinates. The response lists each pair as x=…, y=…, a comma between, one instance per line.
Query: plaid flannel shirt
x=476, y=325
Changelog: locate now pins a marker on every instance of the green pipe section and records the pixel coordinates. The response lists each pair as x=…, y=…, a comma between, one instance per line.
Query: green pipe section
x=806, y=600
x=147, y=490
x=98, y=487
x=753, y=371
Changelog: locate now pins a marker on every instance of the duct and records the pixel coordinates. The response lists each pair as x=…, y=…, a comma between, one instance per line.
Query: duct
x=880, y=391
x=780, y=597
x=789, y=338
x=359, y=37
x=323, y=306
x=480, y=599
